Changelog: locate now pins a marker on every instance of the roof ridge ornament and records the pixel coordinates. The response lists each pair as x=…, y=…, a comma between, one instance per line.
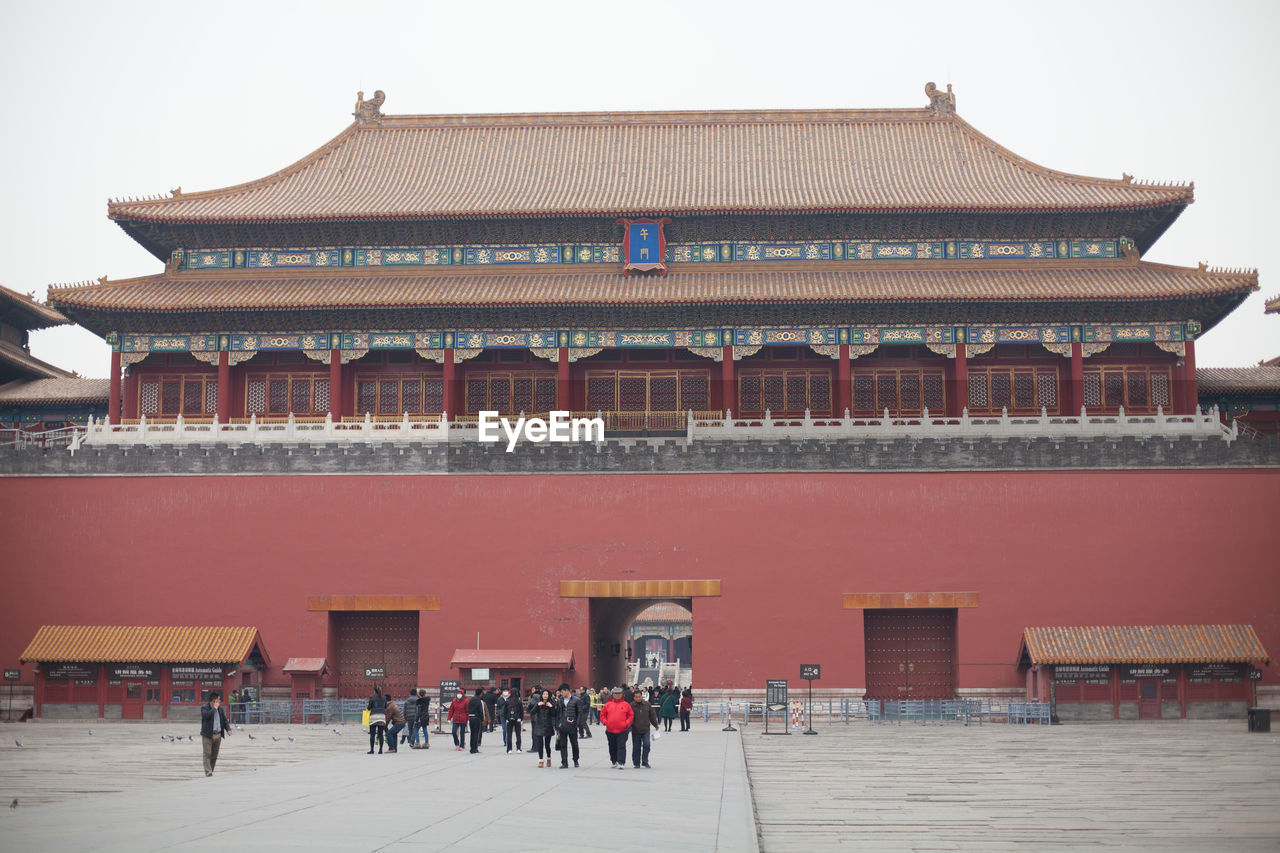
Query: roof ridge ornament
x=940, y=103
x=370, y=110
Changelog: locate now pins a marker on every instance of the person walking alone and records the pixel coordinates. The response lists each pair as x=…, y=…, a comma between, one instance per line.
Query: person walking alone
x=214, y=725
x=476, y=716
x=669, y=707
x=616, y=717
x=569, y=714
x=542, y=720
x=513, y=722
x=422, y=722
x=458, y=717
x=686, y=709
x=377, y=708
x=584, y=713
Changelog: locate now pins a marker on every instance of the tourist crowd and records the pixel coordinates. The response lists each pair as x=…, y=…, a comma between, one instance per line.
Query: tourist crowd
x=634, y=713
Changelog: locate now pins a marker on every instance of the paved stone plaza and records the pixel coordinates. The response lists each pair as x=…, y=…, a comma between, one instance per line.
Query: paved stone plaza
x=1168, y=786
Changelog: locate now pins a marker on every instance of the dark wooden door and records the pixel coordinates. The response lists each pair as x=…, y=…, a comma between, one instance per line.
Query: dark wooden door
x=910, y=653
x=387, y=639
x=131, y=707
x=1148, y=699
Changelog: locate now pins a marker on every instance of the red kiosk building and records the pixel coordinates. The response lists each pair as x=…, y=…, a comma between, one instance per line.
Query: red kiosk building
x=803, y=270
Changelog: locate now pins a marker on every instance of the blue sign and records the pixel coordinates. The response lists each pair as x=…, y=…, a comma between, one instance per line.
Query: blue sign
x=643, y=246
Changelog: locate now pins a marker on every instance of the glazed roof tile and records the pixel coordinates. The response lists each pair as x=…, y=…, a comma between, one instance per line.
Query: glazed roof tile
x=1144, y=644
x=592, y=164
x=531, y=658
x=142, y=644
x=306, y=665
x=18, y=359
x=1273, y=305
x=75, y=389
x=33, y=314
x=692, y=284
x=665, y=612
x=1259, y=378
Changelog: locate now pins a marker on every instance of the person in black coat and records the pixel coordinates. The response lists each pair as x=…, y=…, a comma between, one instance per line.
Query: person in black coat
x=422, y=713
x=475, y=718
x=213, y=725
x=567, y=718
x=584, y=712
x=513, y=722
x=542, y=719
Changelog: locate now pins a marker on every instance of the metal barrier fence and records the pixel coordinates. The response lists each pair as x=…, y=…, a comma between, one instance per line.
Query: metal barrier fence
x=743, y=712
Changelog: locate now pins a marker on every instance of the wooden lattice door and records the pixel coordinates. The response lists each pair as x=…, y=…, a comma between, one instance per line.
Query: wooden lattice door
x=910, y=653
x=386, y=639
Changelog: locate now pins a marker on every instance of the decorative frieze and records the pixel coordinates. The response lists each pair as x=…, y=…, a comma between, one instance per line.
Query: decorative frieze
x=853, y=251
x=1055, y=337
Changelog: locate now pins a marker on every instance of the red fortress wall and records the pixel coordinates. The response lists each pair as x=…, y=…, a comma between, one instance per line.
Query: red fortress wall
x=1038, y=548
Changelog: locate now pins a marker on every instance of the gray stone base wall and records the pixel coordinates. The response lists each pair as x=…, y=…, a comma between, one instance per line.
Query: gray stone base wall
x=68, y=711
x=1217, y=710
x=650, y=455
x=112, y=712
x=184, y=712
x=1085, y=712
x=1128, y=710
x=1170, y=711
x=151, y=712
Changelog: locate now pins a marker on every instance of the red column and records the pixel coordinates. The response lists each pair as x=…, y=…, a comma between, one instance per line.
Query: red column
x=102, y=691
x=450, y=389
x=38, y=699
x=1189, y=379
x=562, y=380
x=728, y=397
x=1076, y=385
x=113, y=393
x=843, y=389
x=224, y=387
x=962, y=382
x=335, y=385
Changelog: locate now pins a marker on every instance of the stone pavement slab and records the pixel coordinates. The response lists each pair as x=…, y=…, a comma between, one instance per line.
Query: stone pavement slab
x=322, y=792
x=1142, y=786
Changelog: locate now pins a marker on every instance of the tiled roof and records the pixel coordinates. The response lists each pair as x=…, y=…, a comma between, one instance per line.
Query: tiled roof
x=306, y=665
x=529, y=658
x=692, y=284
x=142, y=644
x=1273, y=305
x=34, y=315
x=1144, y=644
x=74, y=389
x=19, y=360
x=1260, y=378
x=665, y=612
x=464, y=166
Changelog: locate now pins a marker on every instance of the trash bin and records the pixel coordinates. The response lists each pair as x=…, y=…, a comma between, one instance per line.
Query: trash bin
x=1259, y=719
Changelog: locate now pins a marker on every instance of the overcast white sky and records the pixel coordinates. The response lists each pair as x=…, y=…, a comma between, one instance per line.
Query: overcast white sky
x=134, y=98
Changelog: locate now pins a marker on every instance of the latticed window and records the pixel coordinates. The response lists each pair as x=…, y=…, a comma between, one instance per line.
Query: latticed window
x=1136, y=388
x=1018, y=389
x=903, y=391
x=511, y=393
x=279, y=395
x=651, y=391
x=399, y=393
x=784, y=392
x=193, y=395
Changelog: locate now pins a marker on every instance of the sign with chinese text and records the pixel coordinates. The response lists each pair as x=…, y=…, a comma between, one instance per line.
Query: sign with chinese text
x=644, y=246
x=12, y=674
x=1088, y=673
x=375, y=672
x=447, y=689
x=811, y=671
x=79, y=671
x=137, y=670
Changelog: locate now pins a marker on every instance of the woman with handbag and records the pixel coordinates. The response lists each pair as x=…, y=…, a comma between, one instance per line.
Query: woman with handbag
x=543, y=719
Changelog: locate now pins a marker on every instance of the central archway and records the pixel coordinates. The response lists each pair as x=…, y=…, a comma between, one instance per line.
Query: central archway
x=614, y=605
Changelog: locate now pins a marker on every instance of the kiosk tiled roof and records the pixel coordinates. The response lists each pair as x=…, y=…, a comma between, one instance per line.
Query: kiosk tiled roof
x=1144, y=644
x=73, y=389
x=531, y=658
x=234, y=290
x=612, y=163
x=1227, y=380
x=142, y=644
x=306, y=665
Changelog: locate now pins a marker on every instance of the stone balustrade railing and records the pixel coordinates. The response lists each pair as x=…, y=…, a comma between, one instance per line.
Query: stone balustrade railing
x=433, y=429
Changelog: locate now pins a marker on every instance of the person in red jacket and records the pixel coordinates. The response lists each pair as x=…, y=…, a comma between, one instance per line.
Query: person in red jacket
x=458, y=716
x=617, y=715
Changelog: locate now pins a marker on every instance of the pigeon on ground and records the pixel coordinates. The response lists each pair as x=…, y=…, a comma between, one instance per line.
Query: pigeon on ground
x=14, y=804
x=251, y=737
x=18, y=742
x=273, y=737
x=189, y=737
x=90, y=732
x=291, y=739
x=336, y=732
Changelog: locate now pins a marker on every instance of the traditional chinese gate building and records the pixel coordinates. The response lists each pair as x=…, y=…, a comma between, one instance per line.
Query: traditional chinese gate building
x=657, y=268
